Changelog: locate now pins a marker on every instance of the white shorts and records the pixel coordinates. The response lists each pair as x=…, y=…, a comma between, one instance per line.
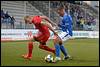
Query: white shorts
x=64, y=35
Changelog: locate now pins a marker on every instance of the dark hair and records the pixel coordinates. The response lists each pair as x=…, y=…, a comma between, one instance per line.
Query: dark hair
x=61, y=7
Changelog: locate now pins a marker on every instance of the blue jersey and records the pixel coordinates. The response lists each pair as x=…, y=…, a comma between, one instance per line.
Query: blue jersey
x=66, y=24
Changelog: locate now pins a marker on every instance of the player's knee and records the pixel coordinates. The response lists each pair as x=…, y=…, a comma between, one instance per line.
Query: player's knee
x=60, y=42
x=41, y=45
x=55, y=41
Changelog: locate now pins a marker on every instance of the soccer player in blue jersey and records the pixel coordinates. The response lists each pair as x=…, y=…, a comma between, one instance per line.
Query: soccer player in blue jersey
x=64, y=34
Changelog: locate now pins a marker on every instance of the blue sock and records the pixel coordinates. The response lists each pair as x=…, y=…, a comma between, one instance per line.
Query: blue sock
x=64, y=51
x=57, y=50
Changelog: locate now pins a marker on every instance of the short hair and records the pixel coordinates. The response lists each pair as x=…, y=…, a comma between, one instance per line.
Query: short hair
x=26, y=17
x=61, y=7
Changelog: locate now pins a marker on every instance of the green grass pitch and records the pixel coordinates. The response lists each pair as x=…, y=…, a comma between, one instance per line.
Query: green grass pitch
x=85, y=52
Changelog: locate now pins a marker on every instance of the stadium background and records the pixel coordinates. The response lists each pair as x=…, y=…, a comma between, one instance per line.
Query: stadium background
x=85, y=15
x=79, y=10
x=18, y=9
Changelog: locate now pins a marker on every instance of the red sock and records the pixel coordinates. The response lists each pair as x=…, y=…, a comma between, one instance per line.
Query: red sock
x=44, y=47
x=30, y=48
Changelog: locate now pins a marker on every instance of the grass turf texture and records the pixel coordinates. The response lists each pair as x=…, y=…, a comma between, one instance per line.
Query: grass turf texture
x=85, y=52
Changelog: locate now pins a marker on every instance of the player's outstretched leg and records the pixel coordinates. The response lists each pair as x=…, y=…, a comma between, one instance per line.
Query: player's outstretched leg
x=44, y=47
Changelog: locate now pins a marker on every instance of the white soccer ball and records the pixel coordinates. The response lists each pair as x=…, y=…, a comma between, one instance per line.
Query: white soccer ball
x=49, y=58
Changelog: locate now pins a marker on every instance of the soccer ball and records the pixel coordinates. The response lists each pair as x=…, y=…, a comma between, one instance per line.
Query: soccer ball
x=49, y=58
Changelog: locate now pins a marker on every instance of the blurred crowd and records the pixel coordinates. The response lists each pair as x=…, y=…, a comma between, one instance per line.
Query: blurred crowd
x=7, y=19
x=81, y=19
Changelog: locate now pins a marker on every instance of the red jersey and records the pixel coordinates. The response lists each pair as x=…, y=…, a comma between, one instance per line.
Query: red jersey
x=37, y=22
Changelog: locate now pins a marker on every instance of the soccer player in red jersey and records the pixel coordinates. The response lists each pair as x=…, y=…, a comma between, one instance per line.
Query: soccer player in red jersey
x=43, y=34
